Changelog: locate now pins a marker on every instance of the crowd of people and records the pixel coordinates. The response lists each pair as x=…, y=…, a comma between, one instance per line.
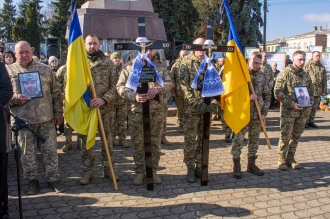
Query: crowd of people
x=117, y=101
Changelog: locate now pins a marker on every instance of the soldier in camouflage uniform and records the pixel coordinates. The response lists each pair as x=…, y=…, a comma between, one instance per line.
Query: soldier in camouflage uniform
x=176, y=91
x=293, y=118
x=319, y=79
x=194, y=108
x=262, y=95
x=219, y=66
x=267, y=70
x=60, y=77
x=120, y=109
x=102, y=70
x=135, y=119
x=41, y=114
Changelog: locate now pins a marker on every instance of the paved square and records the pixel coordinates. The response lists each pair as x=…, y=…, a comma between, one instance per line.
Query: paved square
x=300, y=193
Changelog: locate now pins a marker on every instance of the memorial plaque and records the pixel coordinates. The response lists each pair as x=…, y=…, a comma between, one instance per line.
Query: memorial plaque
x=147, y=75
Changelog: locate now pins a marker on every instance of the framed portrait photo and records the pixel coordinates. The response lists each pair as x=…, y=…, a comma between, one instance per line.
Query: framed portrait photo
x=302, y=97
x=30, y=85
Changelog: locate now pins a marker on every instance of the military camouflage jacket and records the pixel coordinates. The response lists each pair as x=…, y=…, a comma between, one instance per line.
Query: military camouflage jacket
x=103, y=70
x=60, y=76
x=218, y=67
x=262, y=91
x=289, y=78
x=267, y=70
x=130, y=95
x=118, y=99
x=318, y=75
x=42, y=109
x=175, y=76
x=188, y=70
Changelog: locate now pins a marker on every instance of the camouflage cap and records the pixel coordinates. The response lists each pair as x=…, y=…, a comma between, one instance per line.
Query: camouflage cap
x=115, y=55
x=29, y=77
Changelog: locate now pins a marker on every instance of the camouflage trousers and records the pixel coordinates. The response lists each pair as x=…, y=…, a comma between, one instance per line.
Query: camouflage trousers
x=137, y=135
x=120, y=115
x=316, y=104
x=68, y=133
x=88, y=156
x=29, y=148
x=254, y=128
x=291, y=130
x=165, y=118
x=179, y=105
x=192, y=126
x=225, y=127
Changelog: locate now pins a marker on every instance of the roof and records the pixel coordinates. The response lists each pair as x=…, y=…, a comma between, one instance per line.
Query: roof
x=311, y=33
x=276, y=41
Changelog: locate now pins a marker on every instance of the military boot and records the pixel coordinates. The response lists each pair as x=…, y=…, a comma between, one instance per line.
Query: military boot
x=198, y=171
x=290, y=161
x=252, y=167
x=139, y=179
x=123, y=143
x=79, y=142
x=191, y=175
x=181, y=129
x=237, y=168
x=86, y=178
x=282, y=162
x=164, y=140
x=156, y=178
x=33, y=187
x=67, y=146
x=106, y=173
x=228, y=139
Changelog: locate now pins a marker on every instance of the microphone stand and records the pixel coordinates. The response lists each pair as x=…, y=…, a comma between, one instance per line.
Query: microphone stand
x=19, y=124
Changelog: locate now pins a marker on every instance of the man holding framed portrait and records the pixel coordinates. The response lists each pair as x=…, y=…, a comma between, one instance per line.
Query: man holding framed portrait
x=294, y=89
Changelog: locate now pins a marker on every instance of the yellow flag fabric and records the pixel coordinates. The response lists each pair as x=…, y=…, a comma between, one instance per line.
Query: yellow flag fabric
x=77, y=113
x=236, y=99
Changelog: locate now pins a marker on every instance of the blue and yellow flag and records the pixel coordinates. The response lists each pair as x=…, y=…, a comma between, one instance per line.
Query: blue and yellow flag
x=76, y=111
x=236, y=99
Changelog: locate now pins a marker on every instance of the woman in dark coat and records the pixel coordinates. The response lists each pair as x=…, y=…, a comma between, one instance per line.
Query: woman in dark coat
x=6, y=93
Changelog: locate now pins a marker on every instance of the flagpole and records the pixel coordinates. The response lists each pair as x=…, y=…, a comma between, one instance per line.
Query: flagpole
x=260, y=117
x=104, y=139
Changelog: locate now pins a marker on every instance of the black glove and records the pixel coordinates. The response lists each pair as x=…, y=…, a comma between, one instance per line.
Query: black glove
x=201, y=107
x=212, y=108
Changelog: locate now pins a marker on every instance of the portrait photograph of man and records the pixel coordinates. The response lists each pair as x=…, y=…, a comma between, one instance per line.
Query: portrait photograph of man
x=302, y=96
x=30, y=84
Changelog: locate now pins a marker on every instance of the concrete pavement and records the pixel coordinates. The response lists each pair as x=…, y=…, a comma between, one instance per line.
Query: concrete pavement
x=300, y=193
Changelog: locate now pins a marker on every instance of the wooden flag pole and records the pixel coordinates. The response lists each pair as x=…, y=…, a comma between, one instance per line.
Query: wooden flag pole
x=104, y=139
x=260, y=117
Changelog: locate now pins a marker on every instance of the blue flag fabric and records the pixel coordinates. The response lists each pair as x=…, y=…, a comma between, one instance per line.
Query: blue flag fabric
x=212, y=85
x=135, y=74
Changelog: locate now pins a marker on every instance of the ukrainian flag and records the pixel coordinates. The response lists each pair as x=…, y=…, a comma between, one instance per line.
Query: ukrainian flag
x=236, y=99
x=76, y=111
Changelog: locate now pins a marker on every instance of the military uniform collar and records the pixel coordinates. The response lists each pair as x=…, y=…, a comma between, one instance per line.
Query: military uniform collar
x=27, y=66
x=253, y=72
x=296, y=70
x=192, y=56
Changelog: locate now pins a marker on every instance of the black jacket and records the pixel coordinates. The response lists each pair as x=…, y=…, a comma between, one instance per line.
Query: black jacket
x=6, y=93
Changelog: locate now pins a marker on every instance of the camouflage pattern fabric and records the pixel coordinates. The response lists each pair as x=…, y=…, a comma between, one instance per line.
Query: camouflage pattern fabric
x=318, y=75
x=316, y=104
x=68, y=133
x=254, y=128
x=175, y=77
x=262, y=91
x=38, y=110
x=102, y=70
x=120, y=115
x=29, y=146
x=267, y=70
x=165, y=117
x=292, y=121
x=135, y=116
x=192, y=117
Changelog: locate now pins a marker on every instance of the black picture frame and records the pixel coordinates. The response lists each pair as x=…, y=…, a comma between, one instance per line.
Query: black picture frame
x=303, y=101
x=30, y=79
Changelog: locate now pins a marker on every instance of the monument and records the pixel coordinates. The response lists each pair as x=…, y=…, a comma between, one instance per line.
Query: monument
x=116, y=21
